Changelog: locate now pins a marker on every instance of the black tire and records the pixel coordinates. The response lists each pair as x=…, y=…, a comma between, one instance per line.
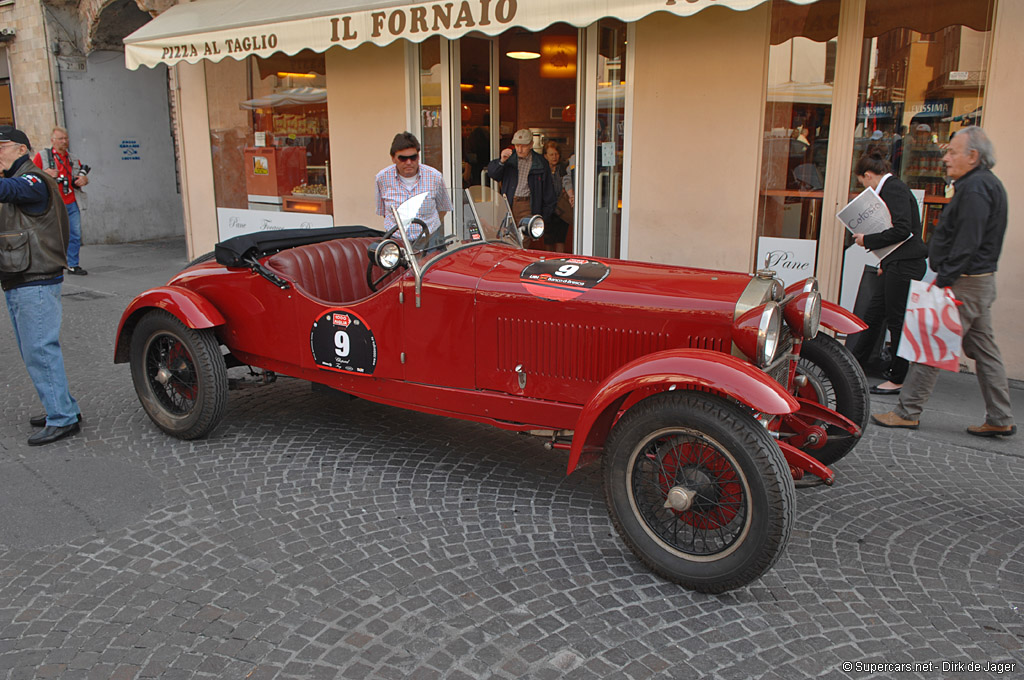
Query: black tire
x=837, y=381
x=179, y=375
x=202, y=258
x=741, y=514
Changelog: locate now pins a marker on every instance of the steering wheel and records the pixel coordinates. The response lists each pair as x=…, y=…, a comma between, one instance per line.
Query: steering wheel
x=508, y=227
x=424, y=238
x=372, y=282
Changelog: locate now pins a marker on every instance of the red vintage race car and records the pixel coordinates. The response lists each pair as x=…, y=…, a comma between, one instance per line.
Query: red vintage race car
x=706, y=393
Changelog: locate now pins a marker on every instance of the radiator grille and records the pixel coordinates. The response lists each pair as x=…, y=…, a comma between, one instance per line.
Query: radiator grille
x=779, y=371
x=587, y=352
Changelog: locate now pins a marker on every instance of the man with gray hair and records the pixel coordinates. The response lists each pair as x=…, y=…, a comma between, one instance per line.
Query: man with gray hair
x=964, y=250
x=525, y=178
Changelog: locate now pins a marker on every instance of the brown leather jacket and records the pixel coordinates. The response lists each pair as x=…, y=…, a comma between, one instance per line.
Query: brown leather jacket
x=33, y=246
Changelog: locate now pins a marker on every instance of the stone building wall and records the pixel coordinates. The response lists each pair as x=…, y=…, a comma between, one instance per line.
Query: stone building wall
x=32, y=70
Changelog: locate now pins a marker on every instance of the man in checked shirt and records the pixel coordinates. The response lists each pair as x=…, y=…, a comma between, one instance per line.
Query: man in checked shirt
x=406, y=178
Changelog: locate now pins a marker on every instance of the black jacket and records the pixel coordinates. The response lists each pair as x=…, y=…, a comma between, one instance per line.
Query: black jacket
x=543, y=197
x=969, y=236
x=906, y=221
x=33, y=234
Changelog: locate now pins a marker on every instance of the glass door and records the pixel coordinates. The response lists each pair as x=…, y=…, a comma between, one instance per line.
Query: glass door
x=478, y=96
x=609, y=125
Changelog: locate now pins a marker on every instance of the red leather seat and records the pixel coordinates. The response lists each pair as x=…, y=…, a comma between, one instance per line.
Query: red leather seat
x=333, y=271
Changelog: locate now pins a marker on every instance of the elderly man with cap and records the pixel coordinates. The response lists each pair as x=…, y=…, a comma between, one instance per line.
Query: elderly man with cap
x=525, y=178
x=33, y=243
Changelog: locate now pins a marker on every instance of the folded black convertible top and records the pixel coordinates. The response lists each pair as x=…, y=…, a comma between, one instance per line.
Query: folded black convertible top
x=234, y=251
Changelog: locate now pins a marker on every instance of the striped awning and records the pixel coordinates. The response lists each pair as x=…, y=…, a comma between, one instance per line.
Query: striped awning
x=217, y=29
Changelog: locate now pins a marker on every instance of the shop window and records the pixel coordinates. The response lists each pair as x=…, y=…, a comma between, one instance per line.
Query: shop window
x=920, y=83
x=798, y=111
x=270, y=142
x=923, y=72
x=431, y=82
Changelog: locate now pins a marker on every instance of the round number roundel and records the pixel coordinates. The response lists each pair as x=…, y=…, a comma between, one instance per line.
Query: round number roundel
x=564, y=278
x=341, y=341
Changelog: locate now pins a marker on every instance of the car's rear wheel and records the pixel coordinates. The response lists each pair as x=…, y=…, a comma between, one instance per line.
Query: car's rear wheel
x=834, y=380
x=179, y=375
x=205, y=257
x=698, y=490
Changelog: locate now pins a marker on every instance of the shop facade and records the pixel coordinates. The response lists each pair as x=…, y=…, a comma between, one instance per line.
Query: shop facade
x=710, y=133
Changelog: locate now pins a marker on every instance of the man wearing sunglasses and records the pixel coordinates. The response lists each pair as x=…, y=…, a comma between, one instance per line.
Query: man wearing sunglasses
x=406, y=178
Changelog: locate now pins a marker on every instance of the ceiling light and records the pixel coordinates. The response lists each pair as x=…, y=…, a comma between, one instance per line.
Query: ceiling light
x=523, y=46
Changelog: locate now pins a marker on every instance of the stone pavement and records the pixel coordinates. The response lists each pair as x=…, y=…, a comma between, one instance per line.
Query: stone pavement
x=313, y=537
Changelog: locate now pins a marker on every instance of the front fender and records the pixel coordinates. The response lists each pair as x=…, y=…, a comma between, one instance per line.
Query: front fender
x=673, y=369
x=189, y=307
x=837, y=319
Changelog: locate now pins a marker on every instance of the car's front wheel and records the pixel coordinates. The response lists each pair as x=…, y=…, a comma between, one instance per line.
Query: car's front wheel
x=179, y=375
x=699, y=490
x=834, y=380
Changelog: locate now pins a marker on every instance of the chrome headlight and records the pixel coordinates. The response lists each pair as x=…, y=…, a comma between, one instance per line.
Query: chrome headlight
x=769, y=330
x=757, y=333
x=808, y=285
x=534, y=226
x=386, y=254
x=803, y=314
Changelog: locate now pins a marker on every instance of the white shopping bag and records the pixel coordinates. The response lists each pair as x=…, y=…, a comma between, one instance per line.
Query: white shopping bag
x=931, y=327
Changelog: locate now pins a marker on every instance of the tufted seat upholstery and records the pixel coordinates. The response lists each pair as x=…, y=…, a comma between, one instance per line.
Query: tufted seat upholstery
x=333, y=271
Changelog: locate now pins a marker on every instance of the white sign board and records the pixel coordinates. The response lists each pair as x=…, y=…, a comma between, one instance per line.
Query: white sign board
x=793, y=259
x=233, y=222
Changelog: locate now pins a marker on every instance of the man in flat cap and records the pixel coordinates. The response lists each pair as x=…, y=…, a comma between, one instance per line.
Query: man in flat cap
x=33, y=246
x=525, y=178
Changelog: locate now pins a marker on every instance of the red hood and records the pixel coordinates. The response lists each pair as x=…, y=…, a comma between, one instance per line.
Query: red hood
x=619, y=282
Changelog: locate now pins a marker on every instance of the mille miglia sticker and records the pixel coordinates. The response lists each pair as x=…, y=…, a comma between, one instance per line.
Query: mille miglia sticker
x=341, y=341
x=564, y=278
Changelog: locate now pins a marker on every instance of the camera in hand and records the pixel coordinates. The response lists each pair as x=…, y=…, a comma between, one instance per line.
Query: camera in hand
x=83, y=170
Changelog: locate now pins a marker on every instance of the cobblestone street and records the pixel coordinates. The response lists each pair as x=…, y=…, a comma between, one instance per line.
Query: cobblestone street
x=315, y=537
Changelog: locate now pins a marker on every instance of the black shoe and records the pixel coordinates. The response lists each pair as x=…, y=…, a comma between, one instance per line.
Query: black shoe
x=39, y=421
x=51, y=433
x=875, y=389
x=78, y=271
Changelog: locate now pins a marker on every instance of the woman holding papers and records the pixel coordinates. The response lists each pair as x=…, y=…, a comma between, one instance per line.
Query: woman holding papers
x=897, y=268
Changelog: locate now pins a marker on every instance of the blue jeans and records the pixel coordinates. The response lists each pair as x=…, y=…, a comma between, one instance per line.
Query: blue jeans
x=36, y=315
x=74, y=233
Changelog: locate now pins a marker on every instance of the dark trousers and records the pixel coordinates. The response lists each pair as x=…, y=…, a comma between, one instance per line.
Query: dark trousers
x=886, y=310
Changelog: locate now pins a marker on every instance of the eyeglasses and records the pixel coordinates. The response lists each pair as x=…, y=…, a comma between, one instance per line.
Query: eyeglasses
x=408, y=159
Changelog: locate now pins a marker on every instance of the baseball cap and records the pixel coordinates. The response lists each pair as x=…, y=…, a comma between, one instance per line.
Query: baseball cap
x=9, y=133
x=523, y=136
x=923, y=127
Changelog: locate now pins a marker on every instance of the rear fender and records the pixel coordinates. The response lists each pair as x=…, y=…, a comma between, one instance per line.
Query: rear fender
x=189, y=307
x=837, y=319
x=690, y=369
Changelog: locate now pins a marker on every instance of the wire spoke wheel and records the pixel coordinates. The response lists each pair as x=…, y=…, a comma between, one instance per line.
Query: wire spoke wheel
x=179, y=375
x=171, y=373
x=836, y=381
x=690, y=493
x=698, y=490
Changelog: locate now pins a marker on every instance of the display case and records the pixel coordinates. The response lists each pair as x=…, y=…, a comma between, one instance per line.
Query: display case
x=271, y=172
x=923, y=167
x=290, y=131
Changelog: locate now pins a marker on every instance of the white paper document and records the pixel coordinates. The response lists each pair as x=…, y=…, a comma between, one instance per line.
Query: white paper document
x=868, y=214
